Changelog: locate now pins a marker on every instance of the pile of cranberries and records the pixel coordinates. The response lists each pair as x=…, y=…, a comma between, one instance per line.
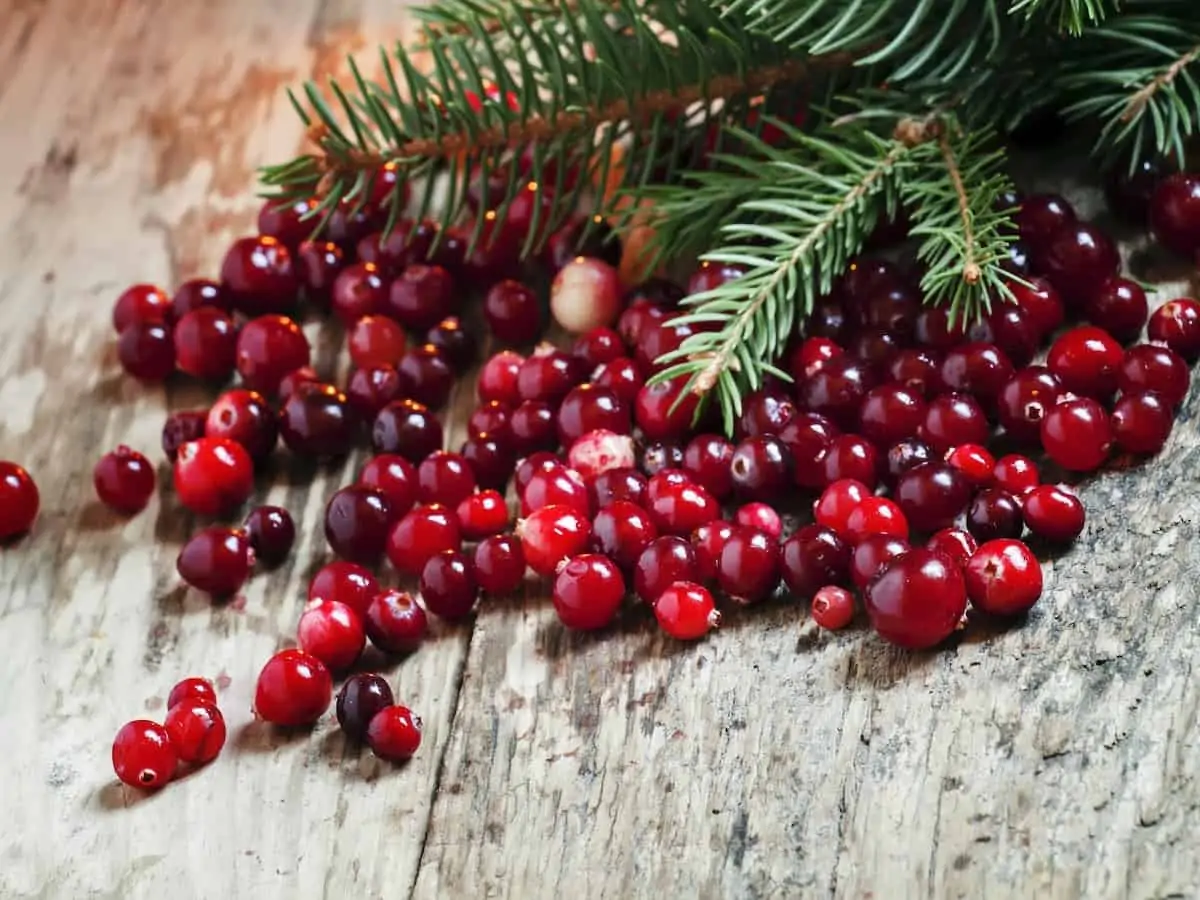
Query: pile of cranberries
x=917, y=446
x=147, y=755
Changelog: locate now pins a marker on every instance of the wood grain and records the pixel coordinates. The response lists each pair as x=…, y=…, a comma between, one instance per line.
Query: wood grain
x=1059, y=759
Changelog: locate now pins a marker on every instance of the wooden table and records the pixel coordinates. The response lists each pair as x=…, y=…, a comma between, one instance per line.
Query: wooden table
x=1056, y=760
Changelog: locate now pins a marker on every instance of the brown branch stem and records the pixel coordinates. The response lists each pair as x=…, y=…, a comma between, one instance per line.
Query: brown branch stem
x=971, y=272
x=1139, y=101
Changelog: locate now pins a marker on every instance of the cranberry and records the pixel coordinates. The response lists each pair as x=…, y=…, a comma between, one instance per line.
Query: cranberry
x=764, y=412
x=318, y=265
x=370, y=390
x=288, y=221
x=1053, y=513
x=454, y=342
x=344, y=582
x=953, y=419
x=490, y=459
x=975, y=462
x=198, y=690
x=810, y=355
x=1077, y=434
x=448, y=585
x=707, y=542
x=955, y=543
x=761, y=468
x=146, y=351
x=711, y=275
x=1119, y=307
x=892, y=309
x=395, y=477
x=589, y=408
x=867, y=276
x=559, y=486
x=357, y=519
x=271, y=533
x=490, y=417
x=1141, y=423
x=932, y=495
x=599, y=451
x=977, y=368
x=551, y=534
x=444, y=478
x=836, y=390
x=259, y=275
x=498, y=379
x=513, y=312
x=686, y=611
x=482, y=514
x=588, y=591
x=197, y=731
x=660, y=456
x=180, y=428
x=663, y=411
x=206, y=344
x=995, y=513
x=837, y=501
x=535, y=463
x=532, y=425
x=421, y=296
x=1026, y=399
x=621, y=376
x=420, y=535
x=680, y=508
x=375, y=341
x=872, y=516
x=245, y=417
x=1003, y=578
x=1085, y=361
x=268, y=348
x=905, y=455
x=1041, y=215
x=850, y=457
x=1177, y=324
x=499, y=564
x=317, y=421
x=124, y=480
x=663, y=562
x=748, y=569
x=833, y=607
x=1016, y=474
x=406, y=428
x=1040, y=302
x=891, y=413
x=350, y=221
x=143, y=755
x=1129, y=190
x=639, y=318
x=213, y=476
x=1078, y=259
x=395, y=622
x=614, y=485
x=1013, y=331
x=394, y=734
x=918, y=600
x=814, y=557
x=934, y=329
x=1175, y=213
x=362, y=697
x=599, y=346
x=332, y=632
x=761, y=517
x=586, y=294
x=294, y=689
x=548, y=375
x=216, y=560
x=870, y=557
x=296, y=379
x=1017, y=260
x=876, y=349
x=409, y=242
x=707, y=459
x=1148, y=368
x=808, y=437
x=143, y=304
x=426, y=374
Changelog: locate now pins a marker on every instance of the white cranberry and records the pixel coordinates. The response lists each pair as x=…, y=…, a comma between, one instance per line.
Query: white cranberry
x=586, y=294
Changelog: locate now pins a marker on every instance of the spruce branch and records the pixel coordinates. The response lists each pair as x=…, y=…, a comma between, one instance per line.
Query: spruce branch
x=1066, y=16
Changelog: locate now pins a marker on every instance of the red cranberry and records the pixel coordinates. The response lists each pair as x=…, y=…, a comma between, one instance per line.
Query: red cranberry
x=420, y=297
x=707, y=542
x=551, y=534
x=1078, y=259
x=213, y=476
x=370, y=390
x=489, y=459
x=143, y=304
x=454, y=342
x=318, y=265
x=499, y=564
x=394, y=477
x=533, y=428
x=905, y=455
x=1177, y=324
x=288, y=221
x=761, y=468
x=409, y=242
x=294, y=380
x=1129, y=190
x=614, y=485
x=206, y=344
x=707, y=459
x=395, y=622
x=259, y=275
x=827, y=319
x=932, y=495
x=1148, y=368
x=764, y=412
x=357, y=519
x=394, y=734
x=332, y=632
x=892, y=309
x=761, y=517
x=548, y=375
x=1053, y=513
x=953, y=419
x=350, y=221
x=837, y=501
x=810, y=355
x=748, y=569
x=850, y=457
x=180, y=428
x=513, y=312
x=599, y=451
x=873, y=516
x=833, y=607
x=271, y=533
x=559, y=486
x=124, y=480
x=362, y=697
x=1026, y=399
x=661, y=456
x=1119, y=307
x=1003, y=578
x=808, y=437
x=710, y=276
x=375, y=341
x=420, y=535
x=918, y=600
x=836, y=390
x=680, y=508
x=1041, y=215
x=146, y=351
x=1013, y=331
x=444, y=478
x=1141, y=423
x=686, y=611
x=621, y=376
x=977, y=368
x=955, y=543
x=588, y=591
x=268, y=348
x=589, y=408
x=975, y=462
x=663, y=411
x=498, y=378
x=143, y=755
x=1175, y=213
x=427, y=376
x=814, y=557
x=344, y=582
x=1077, y=434
x=294, y=689
x=891, y=413
x=245, y=417
x=216, y=560
x=408, y=429
x=1040, y=302
x=482, y=514
x=197, y=731
x=597, y=347
x=934, y=330
x=1085, y=361
x=192, y=690
x=663, y=562
x=870, y=557
x=535, y=463
x=994, y=513
x=490, y=417
x=876, y=349
x=317, y=421
x=1016, y=474
x=448, y=585
x=639, y=318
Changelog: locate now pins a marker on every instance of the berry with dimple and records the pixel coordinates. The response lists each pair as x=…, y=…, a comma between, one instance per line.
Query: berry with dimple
x=406, y=428
x=146, y=351
x=917, y=600
x=551, y=534
x=833, y=607
x=748, y=569
x=180, y=428
x=872, y=516
x=814, y=557
x=761, y=468
x=1175, y=213
x=498, y=378
x=499, y=564
x=448, y=585
x=1149, y=368
x=420, y=535
x=318, y=421
x=1085, y=360
x=245, y=417
x=955, y=543
x=394, y=734
x=1141, y=423
x=664, y=411
x=708, y=541
x=143, y=755
x=513, y=312
x=268, y=348
x=663, y=562
x=344, y=582
x=216, y=560
x=395, y=622
x=293, y=689
x=1003, y=578
x=837, y=501
x=932, y=495
x=1077, y=434
x=1016, y=474
x=361, y=698
x=1025, y=400
x=686, y=611
x=1177, y=324
x=975, y=462
x=197, y=690
x=482, y=514
x=357, y=519
x=872, y=555
x=588, y=591
x=558, y=486
x=420, y=297
x=761, y=516
x=585, y=294
x=1119, y=307
x=621, y=531
x=994, y=513
x=259, y=274
x=124, y=480
x=1053, y=513
x=953, y=419
x=600, y=451
x=197, y=731
x=271, y=533
x=213, y=475
x=143, y=303
x=205, y=342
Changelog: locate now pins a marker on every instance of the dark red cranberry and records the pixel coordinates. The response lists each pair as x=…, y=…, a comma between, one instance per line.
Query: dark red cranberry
x=711, y=275
x=761, y=468
x=289, y=221
x=395, y=477
x=490, y=458
x=124, y=480
x=454, y=341
x=181, y=428
x=426, y=375
x=344, y=582
x=1018, y=260
x=837, y=501
x=147, y=351
x=395, y=622
x=814, y=557
x=420, y=297
x=663, y=562
x=216, y=560
x=259, y=275
x=499, y=564
x=1085, y=360
x=333, y=633
x=19, y=500
x=1175, y=213
x=764, y=412
x=1130, y=190
x=292, y=381
x=582, y=237
x=1053, y=513
x=748, y=569
x=395, y=734
x=357, y=520
x=588, y=592
x=1177, y=324
x=375, y=341
x=271, y=532
x=851, y=457
x=891, y=413
x=513, y=312
x=360, y=699
x=1016, y=474
x=490, y=417
x=932, y=495
x=541, y=461
x=892, y=309
x=1040, y=302
x=935, y=330
x=614, y=485
x=142, y=303
x=1078, y=259
x=1119, y=307
x=917, y=600
x=870, y=556
x=370, y=390
x=808, y=437
x=549, y=375
x=448, y=585
x=827, y=319
x=994, y=513
x=875, y=349
x=1149, y=368
x=1029, y=395
x=199, y=293
x=498, y=378
x=621, y=531
x=206, y=344
x=481, y=515
x=318, y=265
x=532, y=427
x=350, y=222
x=810, y=354
x=1003, y=578
x=621, y=376
x=866, y=276
x=662, y=413
x=976, y=368
x=268, y=348
x=1041, y=215
x=708, y=541
x=551, y=535
x=1013, y=331
x=660, y=456
x=836, y=390
x=559, y=486
x=245, y=417
x=638, y=318
x=1141, y=423
x=953, y=419
x=409, y=242
x=955, y=543
x=1077, y=434
x=905, y=455
x=707, y=459
x=419, y=535
x=597, y=347
x=589, y=408
x=444, y=478
x=406, y=428
x=317, y=421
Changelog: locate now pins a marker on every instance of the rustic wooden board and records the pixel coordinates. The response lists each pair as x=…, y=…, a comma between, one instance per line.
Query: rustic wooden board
x=1059, y=759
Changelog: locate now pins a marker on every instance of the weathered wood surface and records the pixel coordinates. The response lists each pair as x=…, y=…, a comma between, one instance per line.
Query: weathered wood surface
x=1060, y=759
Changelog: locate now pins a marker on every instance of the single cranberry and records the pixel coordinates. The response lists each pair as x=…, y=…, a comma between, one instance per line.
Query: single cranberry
x=357, y=519
x=271, y=533
x=197, y=731
x=420, y=297
x=903, y=456
x=499, y=564
x=891, y=309
x=663, y=562
x=875, y=349
x=180, y=428
x=482, y=514
x=640, y=317
x=1024, y=402
x=360, y=699
x=454, y=342
x=245, y=417
x=394, y=477
x=935, y=330
x=213, y=476
x=866, y=276
x=332, y=632
x=663, y=411
x=198, y=690
x=810, y=355
x=1078, y=259
x=993, y=514
x=1003, y=578
x=1119, y=307
x=1040, y=302
x=622, y=376
x=686, y=611
x=588, y=408
x=976, y=368
x=375, y=341
x=448, y=585
x=955, y=543
x=1077, y=434
x=408, y=429
x=814, y=557
x=294, y=689
x=395, y=622
x=408, y=242
x=680, y=508
x=1053, y=513
x=388, y=187
x=532, y=426
x=490, y=417
x=764, y=412
x=395, y=734
x=710, y=276
x=513, y=312
x=585, y=294
x=851, y=457
x=370, y=390
x=498, y=378
x=206, y=344
x=258, y=273
x=344, y=582
x=1018, y=260
x=549, y=375
x=1141, y=423
x=760, y=516
x=268, y=348
x=874, y=516
x=421, y=534
x=582, y=236
x=535, y=463
x=1041, y=215
x=317, y=421
x=600, y=451
x=707, y=542
x=917, y=600
x=614, y=485
x=833, y=607
x=870, y=557
x=1149, y=368
x=808, y=437
x=350, y=221
x=1130, y=189
x=1013, y=331
x=932, y=495
x=659, y=456
x=559, y=486
x=1016, y=474
x=216, y=560
x=836, y=390
x=599, y=346
x=318, y=265
x=124, y=480
x=143, y=304
x=490, y=459
x=143, y=755
x=837, y=501
x=748, y=569
x=1177, y=324
x=1175, y=213
x=444, y=478
x=975, y=462
x=588, y=591
x=426, y=375
x=761, y=468
x=552, y=534
x=1085, y=361
x=951, y=420
x=146, y=351
x=707, y=459
x=891, y=413
x=295, y=379
x=288, y=221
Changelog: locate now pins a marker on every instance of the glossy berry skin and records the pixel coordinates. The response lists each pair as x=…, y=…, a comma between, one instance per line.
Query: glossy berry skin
x=426, y=376
x=1025, y=400
x=707, y=459
x=420, y=535
x=811, y=354
x=535, y=464
x=808, y=437
x=296, y=379
x=979, y=369
x=680, y=508
x=146, y=351
x=851, y=457
x=344, y=582
x=932, y=495
x=124, y=480
x=905, y=455
x=917, y=369
x=317, y=421
x=890, y=413
x=216, y=560
x=621, y=376
x=180, y=428
x=590, y=408
x=420, y=297
x=548, y=375
x=1003, y=578
x=491, y=460
x=1177, y=324
x=764, y=412
x=258, y=273
x=394, y=734
x=588, y=591
x=1149, y=368
x=1040, y=302
x=197, y=731
x=1053, y=513
x=617, y=484
x=213, y=476
x=357, y=521
x=454, y=341
x=1119, y=307
x=707, y=542
x=1016, y=474
x=395, y=622
x=665, y=561
x=490, y=417
x=361, y=698
x=268, y=348
x=748, y=569
x=873, y=516
x=994, y=513
x=837, y=501
x=870, y=557
x=551, y=534
x=144, y=303
x=286, y=221
x=406, y=428
x=661, y=456
x=686, y=611
x=318, y=265
x=395, y=477
x=482, y=514
x=975, y=462
x=358, y=291
x=1012, y=330
x=448, y=585
x=760, y=516
x=143, y=755
x=206, y=344
x=532, y=427
x=812, y=558
x=955, y=543
x=444, y=478
x=621, y=531
x=1078, y=259
x=1077, y=434
x=1085, y=360
x=294, y=689
x=761, y=468
x=836, y=390
x=833, y=607
x=917, y=600
x=245, y=417
x=1041, y=215
x=1175, y=213
x=1141, y=423
x=499, y=564
x=513, y=312
x=656, y=413
x=198, y=690
x=498, y=378
x=375, y=341
x=370, y=390
x=271, y=533
x=559, y=486
x=597, y=347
